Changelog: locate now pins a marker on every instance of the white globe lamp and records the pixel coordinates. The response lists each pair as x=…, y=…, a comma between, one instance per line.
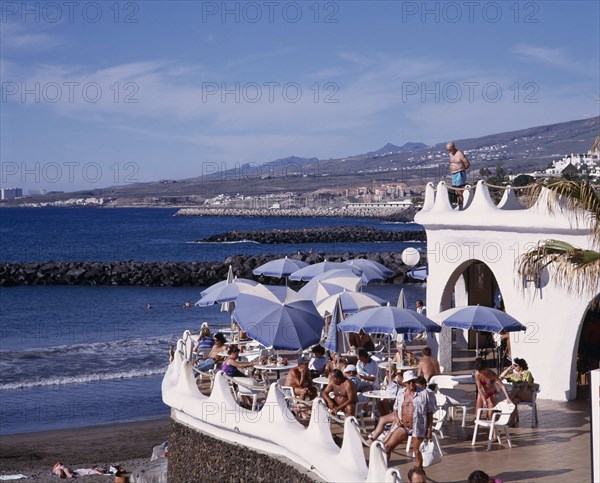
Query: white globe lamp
x=411, y=256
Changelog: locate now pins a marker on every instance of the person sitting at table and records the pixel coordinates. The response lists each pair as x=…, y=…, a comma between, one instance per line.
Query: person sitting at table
x=205, y=340
x=300, y=381
x=318, y=363
x=213, y=356
x=336, y=362
x=350, y=372
x=522, y=384
x=402, y=357
x=344, y=394
x=428, y=366
x=487, y=383
x=367, y=369
x=232, y=365
x=387, y=417
x=361, y=340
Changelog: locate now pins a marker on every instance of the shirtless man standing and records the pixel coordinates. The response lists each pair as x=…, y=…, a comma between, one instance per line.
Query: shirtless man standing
x=428, y=366
x=344, y=394
x=458, y=166
x=299, y=379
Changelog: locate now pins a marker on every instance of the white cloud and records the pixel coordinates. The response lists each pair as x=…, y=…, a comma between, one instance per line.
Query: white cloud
x=547, y=55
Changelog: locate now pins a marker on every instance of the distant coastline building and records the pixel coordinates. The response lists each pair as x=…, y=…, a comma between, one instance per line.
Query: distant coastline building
x=11, y=193
x=383, y=204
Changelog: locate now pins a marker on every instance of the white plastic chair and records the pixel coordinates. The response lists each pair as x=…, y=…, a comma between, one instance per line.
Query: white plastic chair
x=438, y=421
x=532, y=405
x=458, y=398
x=499, y=419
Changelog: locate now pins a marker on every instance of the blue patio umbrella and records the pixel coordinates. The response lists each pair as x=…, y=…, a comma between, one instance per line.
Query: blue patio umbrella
x=351, y=302
x=312, y=271
x=478, y=317
x=337, y=341
x=389, y=319
x=282, y=267
x=281, y=320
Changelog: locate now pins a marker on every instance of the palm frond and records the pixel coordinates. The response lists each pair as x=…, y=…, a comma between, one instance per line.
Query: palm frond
x=576, y=197
x=575, y=269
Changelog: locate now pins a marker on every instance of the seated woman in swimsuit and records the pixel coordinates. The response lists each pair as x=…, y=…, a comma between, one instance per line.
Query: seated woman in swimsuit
x=232, y=366
x=487, y=386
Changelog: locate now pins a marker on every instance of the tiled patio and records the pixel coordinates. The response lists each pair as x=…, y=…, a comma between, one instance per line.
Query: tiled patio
x=558, y=450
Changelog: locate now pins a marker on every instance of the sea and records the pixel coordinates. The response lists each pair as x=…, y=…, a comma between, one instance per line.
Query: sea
x=77, y=356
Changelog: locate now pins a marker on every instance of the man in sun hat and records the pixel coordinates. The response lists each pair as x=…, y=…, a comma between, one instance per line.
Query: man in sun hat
x=351, y=373
x=413, y=416
x=300, y=380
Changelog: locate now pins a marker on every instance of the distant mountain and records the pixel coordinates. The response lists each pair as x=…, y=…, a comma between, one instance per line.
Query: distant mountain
x=292, y=160
x=390, y=148
x=415, y=164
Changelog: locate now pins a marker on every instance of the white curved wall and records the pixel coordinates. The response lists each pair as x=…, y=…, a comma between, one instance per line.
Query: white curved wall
x=273, y=429
x=498, y=237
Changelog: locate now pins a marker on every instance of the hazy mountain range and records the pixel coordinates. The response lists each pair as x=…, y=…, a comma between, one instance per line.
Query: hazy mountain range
x=413, y=163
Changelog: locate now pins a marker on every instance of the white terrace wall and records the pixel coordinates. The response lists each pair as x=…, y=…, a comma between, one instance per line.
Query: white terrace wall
x=498, y=236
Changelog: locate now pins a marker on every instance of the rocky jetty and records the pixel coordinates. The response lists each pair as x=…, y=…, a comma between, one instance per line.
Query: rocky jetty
x=170, y=274
x=393, y=213
x=335, y=234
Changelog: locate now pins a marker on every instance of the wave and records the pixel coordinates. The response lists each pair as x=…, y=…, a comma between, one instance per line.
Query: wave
x=82, y=379
x=225, y=242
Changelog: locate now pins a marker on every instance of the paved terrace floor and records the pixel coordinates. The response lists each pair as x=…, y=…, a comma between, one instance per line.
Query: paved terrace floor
x=557, y=450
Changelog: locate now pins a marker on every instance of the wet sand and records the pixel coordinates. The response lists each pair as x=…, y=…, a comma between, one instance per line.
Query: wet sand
x=127, y=444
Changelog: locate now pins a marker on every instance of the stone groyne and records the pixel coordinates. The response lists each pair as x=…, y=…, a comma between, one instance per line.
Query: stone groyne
x=170, y=274
x=390, y=214
x=336, y=234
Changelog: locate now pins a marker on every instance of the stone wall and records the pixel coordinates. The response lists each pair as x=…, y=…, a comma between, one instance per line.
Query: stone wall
x=170, y=274
x=197, y=457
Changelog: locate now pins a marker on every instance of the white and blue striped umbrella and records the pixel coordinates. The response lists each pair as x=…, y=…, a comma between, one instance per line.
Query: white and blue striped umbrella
x=282, y=267
x=225, y=291
x=371, y=270
x=351, y=302
x=313, y=271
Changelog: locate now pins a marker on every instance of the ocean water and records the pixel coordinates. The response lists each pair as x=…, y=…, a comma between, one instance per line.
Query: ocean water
x=81, y=356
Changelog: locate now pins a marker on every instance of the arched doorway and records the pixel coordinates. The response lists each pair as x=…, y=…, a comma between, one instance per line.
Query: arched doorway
x=472, y=283
x=588, y=350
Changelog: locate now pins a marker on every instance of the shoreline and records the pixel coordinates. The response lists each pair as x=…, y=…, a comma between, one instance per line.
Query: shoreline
x=129, y=444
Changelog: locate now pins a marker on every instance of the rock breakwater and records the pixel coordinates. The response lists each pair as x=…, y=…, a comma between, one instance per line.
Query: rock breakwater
x=170, y=274
x=337, y=234
x=385, y=213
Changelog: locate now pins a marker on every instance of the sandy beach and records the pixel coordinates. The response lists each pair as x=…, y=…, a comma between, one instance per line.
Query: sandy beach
x=127, y=444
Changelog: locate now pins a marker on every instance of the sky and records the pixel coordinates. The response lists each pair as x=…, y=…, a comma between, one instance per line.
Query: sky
x=102, y=93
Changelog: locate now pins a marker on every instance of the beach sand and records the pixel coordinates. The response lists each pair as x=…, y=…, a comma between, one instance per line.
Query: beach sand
x=127, y=444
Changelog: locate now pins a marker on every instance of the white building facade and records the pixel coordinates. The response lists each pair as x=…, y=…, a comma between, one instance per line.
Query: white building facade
x=473, y=255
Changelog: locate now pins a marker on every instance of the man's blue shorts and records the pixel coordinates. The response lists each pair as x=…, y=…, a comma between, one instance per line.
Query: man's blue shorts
x=459, y=179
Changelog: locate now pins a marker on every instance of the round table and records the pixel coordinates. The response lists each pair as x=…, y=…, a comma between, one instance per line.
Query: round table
x=321, y=381
x=276, y=368
x=378, y=394
x=386, y=364
x=464, y=379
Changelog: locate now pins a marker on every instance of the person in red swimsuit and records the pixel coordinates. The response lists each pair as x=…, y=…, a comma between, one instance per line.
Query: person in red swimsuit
x=488, y=385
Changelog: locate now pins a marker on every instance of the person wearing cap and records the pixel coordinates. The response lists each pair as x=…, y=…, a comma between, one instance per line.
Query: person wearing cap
x=350, y=373
x=413, y=417
x=344, y=394
x=300, y=380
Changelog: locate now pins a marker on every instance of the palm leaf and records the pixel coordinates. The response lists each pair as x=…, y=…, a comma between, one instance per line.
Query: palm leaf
x=579, y=198
x=573, y=268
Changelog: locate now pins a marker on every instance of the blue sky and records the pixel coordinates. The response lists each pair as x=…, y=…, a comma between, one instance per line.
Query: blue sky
x=101, y=93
